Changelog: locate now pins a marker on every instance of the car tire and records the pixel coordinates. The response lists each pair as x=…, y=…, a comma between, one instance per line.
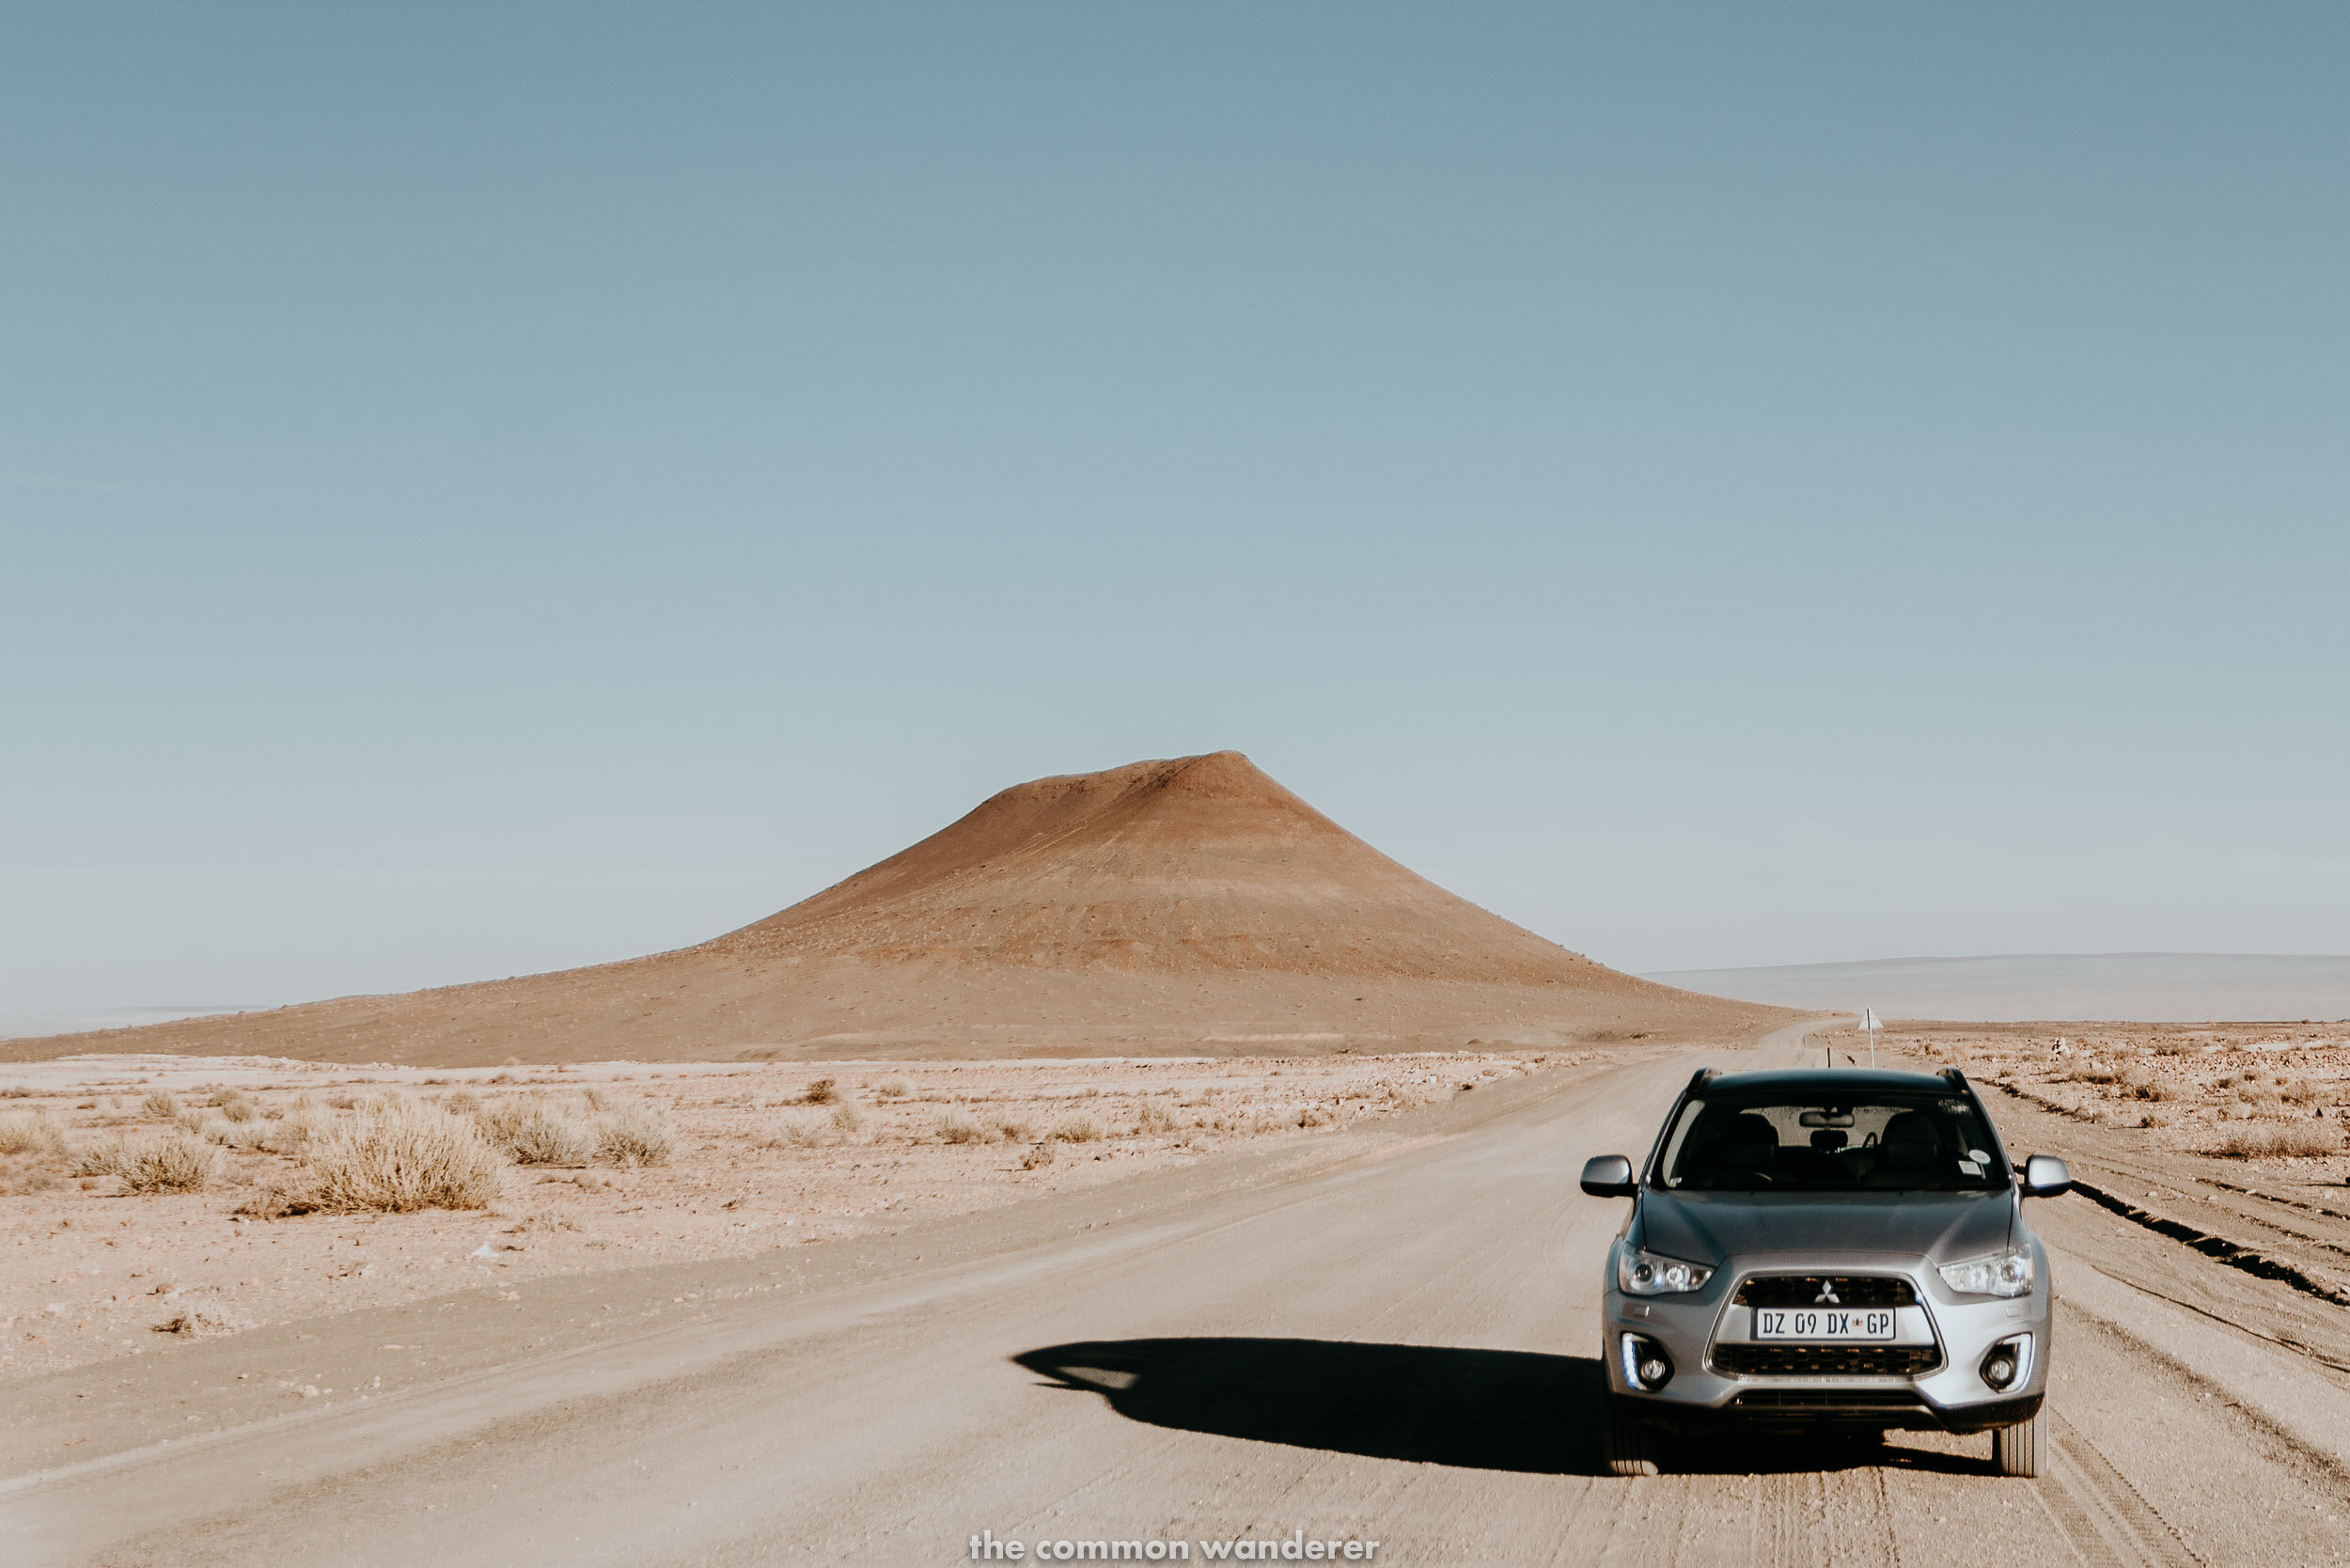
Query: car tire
x=1627, y=1444
x=2021, y=1450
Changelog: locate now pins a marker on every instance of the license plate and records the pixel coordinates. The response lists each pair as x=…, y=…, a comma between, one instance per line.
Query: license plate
x=1819, y=1324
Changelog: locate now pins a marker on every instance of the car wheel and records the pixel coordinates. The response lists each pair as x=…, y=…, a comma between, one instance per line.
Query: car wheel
x=2021, y=1450
x=1627, y=1444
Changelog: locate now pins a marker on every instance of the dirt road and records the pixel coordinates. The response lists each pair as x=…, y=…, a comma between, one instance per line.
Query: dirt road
x=1399, y=1351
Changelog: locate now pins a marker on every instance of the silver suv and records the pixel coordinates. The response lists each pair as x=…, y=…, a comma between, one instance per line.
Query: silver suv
x=1840, y=1250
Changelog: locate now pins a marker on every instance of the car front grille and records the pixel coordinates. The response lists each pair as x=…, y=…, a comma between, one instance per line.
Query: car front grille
x=1825, y=1290
x=1845, y=1400
x=1826, y=1360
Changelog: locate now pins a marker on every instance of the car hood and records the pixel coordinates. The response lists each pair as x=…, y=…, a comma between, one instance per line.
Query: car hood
x=1712, y=1227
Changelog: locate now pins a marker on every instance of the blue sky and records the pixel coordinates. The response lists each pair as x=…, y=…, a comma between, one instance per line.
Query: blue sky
x=492, y=488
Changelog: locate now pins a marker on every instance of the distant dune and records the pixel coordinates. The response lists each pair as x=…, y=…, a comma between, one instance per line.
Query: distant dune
x=2151, y=988
x=1192, y=904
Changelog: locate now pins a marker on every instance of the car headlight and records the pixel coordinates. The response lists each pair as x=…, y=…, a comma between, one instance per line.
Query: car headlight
x=2001, y=1274
x=1639, y=1272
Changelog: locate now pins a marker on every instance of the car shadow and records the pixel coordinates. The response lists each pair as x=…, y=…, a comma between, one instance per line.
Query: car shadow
x=1475, y=1409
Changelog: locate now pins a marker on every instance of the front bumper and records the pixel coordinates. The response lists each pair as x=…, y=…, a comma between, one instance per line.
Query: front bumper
x=1943, y=1338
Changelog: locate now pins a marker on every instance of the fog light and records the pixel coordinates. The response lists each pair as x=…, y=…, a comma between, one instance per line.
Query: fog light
x=2008, y=1363
x=1646, y=1366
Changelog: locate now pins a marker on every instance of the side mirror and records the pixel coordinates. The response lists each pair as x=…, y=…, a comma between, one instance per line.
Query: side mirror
x=1609, y=1176
x=2045, y=1176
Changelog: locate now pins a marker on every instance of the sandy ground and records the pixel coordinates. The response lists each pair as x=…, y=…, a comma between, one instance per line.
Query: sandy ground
x=2227, y=1091
x=95, y=1274
x=1395, y=1344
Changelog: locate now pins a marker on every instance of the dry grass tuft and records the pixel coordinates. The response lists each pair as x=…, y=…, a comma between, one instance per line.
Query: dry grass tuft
x=302, y=1123
x=822, y=1092
x=160, y=1103
x=463, y=1102
x=1077, y=1129
x=31, y=1134
x=235, y=1135
x=172, y=1163
x=2293, y=1138
x=799, y=1132
x=595, y=1099
x=959, y=1126
x=637, y=1136
x=533, y=1132
x=1039, y=1155
x=895, y=1089
x=1011, y=1128
x=1152, y=1117
x=398, y=1156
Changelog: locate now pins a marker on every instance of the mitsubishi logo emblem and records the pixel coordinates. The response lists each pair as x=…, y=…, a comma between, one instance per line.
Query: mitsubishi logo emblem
x=1827, y=1294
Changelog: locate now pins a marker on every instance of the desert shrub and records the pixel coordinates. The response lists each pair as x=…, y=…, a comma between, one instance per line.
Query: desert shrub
x=2158, y=1116
x=16, y=1091
x=1041, y=1154
x=636, y=1137
x=161, y=1103
x=848, y=1117
x=822, y=1092
x=277, y=1200
x=595, y=1099
x=463, y=1102
x=189, y=1120
x=30, y=1133
x=2091, y=1073
x=1152, y=1117
x=234, y=1106
x=894, y=1088
x=98, y=1159
x=2139, y=1084
x=396, y=1156
x=2300, y=1091
x=345, y=1100
x=302, y=1123
x=532, y=1133
x=1077, y=1129
x=2172, y=1047
x=799, y=1132
x=959, y=1126
x=235, y=1135
x=1011, y=1128
x=172, y=1163
x=2295, y=1137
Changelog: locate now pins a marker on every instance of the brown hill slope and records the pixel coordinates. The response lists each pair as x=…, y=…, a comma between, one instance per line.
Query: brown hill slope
x=1191, y=904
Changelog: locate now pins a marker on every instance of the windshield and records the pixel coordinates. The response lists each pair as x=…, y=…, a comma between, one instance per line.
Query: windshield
x=1881, y=1142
